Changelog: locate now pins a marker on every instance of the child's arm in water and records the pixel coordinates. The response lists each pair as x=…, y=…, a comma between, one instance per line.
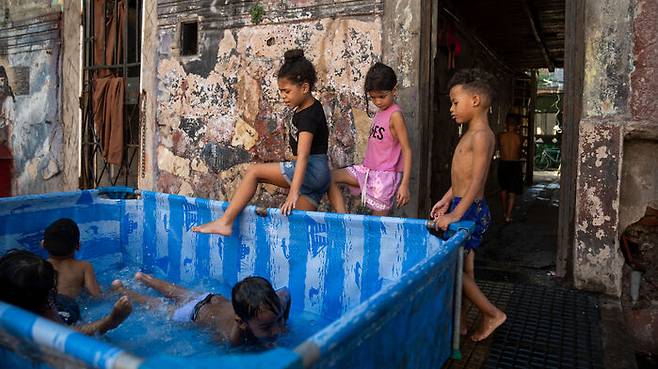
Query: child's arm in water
x=399, y=131
x=303, y=151
x=90, y=280
x=482, y=144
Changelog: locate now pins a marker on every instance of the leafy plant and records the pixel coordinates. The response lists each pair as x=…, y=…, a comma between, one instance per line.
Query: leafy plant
x=257, y=11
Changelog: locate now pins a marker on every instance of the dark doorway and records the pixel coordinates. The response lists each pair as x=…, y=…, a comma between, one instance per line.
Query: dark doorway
x=523, y=44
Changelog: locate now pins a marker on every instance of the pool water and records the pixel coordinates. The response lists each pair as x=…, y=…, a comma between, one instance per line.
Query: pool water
x=150, y=332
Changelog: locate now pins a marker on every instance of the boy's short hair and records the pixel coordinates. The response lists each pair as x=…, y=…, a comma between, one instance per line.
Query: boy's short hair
x=61, y=237
x=476, y=80
x=253, y=295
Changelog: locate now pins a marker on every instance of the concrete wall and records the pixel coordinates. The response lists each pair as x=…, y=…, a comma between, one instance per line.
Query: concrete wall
x=220, y=110
x=30, y=52
x=619, y=107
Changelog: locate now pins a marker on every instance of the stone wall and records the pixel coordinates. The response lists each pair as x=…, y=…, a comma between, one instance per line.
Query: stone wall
x=620, y=120
x=30, y=115
x=220, y=110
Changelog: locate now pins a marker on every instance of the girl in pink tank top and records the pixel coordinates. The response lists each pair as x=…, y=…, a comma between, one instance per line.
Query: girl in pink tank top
x=386, y=167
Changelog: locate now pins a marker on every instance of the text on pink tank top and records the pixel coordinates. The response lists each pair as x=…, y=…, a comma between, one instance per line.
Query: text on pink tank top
x=384, y=152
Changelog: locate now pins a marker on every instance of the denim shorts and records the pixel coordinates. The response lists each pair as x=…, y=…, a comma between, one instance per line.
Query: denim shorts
x=316, y=179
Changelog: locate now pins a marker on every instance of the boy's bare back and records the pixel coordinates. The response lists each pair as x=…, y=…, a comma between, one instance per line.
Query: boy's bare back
x=476, y=146
x=510, y=146
x=74, y=275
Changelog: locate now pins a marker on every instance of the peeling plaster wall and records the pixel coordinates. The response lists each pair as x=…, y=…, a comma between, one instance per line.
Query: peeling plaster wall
x=30, y=52
x=71, y=88
x=597, y=259
x=618, y=131
x=148, y=100
x=219, y=111
x=401, y=37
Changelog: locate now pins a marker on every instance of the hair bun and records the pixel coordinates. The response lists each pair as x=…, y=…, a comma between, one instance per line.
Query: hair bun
x=294, y=54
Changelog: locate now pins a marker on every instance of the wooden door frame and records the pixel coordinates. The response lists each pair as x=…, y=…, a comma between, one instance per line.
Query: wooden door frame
x=428, y=24
x=574, y=68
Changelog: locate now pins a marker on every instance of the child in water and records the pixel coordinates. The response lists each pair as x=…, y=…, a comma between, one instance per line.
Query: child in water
x=308, y=176
x=62, y=239
x=256, y=313
x=30, y=282
x=386, y=168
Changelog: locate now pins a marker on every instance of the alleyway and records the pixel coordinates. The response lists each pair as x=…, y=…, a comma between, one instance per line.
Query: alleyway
x=524, y=251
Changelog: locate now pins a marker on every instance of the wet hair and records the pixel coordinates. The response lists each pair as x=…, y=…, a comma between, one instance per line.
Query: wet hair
x=475, y=80
x=252, y=296
x=380, y=77
x=297, y=69
x=61, y=237
x=27, y=280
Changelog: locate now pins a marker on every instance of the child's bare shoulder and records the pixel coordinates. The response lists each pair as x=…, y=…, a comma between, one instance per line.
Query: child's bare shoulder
x=484, y=135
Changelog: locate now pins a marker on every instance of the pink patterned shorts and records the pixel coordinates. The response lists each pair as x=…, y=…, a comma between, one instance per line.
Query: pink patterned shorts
x=377, y=188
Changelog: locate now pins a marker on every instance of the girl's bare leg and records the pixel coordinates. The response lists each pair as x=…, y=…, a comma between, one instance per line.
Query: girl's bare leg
x=148, y=301
x=257, y=173
x=340, y=176
x=165, y=288
x=304, y=204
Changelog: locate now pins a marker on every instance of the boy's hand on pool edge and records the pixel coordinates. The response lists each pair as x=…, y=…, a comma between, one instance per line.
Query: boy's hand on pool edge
x=443, y=221
x=439, y=209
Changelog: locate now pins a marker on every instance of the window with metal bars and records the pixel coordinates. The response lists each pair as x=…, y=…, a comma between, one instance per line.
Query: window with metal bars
x=110, y=101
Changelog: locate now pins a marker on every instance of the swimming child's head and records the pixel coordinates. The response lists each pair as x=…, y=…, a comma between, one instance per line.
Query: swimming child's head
x=471, y=90
x=296, y=78
x=261, y=313
x=381, y=85
x=62, y=238
x=27, y=280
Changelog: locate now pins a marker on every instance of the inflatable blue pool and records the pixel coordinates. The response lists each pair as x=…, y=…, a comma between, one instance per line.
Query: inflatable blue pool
x=384, y=288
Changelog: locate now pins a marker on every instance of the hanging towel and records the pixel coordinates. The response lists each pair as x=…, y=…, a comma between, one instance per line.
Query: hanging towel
x=108, y=116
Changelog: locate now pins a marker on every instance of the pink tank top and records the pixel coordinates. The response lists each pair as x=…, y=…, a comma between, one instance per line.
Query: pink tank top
x=384, y=152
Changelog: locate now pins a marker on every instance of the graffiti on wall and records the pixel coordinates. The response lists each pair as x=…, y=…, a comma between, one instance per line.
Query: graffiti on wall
x=30, y=126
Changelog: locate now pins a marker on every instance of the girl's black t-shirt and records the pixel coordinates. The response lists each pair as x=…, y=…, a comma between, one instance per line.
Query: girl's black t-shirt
x=312, y=120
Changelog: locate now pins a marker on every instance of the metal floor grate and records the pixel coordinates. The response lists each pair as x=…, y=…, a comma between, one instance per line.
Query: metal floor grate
x=546, y=328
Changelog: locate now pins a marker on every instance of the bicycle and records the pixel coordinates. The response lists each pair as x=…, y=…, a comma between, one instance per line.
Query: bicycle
x=548, y=157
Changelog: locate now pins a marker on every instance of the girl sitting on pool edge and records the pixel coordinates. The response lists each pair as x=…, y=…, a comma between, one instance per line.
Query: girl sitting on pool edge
x=256, y=314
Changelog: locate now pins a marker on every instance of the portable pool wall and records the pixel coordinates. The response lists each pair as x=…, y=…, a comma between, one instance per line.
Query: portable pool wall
x=388, y=286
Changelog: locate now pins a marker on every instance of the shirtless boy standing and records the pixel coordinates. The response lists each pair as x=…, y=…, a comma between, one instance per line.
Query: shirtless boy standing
x=471, y=95
x=510, y=171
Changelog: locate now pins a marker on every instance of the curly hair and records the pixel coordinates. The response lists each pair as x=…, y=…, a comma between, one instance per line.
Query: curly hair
x=476, y=80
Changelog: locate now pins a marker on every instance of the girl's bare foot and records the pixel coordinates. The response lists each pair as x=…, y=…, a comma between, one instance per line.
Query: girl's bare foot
x=489, y=325
x=217, y=226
